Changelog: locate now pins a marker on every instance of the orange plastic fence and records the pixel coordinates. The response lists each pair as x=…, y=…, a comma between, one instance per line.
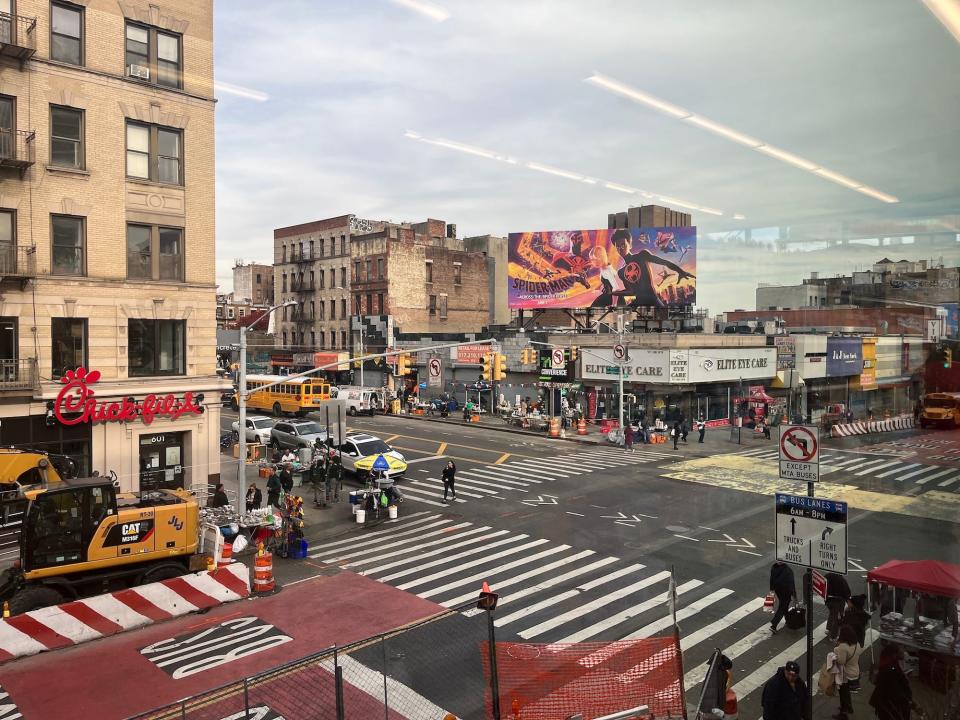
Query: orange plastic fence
x=546, y=682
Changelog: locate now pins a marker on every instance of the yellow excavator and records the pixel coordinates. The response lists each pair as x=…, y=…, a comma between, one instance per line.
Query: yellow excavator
x=81, y=536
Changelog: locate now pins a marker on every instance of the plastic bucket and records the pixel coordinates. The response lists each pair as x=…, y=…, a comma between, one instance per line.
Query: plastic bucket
x=392, y=510
x=361, y=516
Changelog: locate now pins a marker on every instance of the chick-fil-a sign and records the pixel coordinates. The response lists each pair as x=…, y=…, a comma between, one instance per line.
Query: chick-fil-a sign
x=76, y=404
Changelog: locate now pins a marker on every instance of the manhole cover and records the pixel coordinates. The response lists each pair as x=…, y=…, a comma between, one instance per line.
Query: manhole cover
x=677, y=528
x=635, y=546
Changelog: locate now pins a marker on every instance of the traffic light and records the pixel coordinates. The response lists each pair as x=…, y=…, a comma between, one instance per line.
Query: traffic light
x=573, y=353
x=528, y=355
x=488, y=366
x=947, y=358
x=499, y=366
x=403, y=364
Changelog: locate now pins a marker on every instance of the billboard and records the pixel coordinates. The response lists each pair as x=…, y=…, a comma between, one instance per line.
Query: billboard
x=844, y=356
x=639, y=267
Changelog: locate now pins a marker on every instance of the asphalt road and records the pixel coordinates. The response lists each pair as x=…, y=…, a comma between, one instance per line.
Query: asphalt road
x=580, y=539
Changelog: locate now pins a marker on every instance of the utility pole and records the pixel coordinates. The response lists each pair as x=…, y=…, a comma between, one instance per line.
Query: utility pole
x=808, y=601
x=620, y=374
x=360, y=333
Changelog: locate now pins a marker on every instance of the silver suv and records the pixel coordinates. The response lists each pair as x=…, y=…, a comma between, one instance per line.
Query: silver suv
x=297, y=434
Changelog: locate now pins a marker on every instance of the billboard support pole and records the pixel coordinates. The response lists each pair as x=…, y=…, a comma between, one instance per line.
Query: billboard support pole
x=620, y=374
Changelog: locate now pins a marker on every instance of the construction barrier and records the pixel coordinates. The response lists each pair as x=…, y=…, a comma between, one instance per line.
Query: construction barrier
x=226, y=555
x=581, y=427
x=92, y=618
x=263, y=581
x=904, y=422
x=554, y=427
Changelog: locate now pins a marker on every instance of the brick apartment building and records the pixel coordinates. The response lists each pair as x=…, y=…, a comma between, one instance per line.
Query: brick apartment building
x=347, y=273
x=107, y=230
x=253, y=284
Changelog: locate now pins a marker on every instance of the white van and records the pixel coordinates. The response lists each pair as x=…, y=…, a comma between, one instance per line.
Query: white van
x=360, y=399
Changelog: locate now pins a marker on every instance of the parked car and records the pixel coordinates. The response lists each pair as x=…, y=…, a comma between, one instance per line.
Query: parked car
x=258, y=429
x=296, y=434
x=361, y=445
x=361, y=399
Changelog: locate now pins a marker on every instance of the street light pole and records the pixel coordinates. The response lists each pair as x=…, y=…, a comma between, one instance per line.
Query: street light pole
x=360, y=334
x=242, y=407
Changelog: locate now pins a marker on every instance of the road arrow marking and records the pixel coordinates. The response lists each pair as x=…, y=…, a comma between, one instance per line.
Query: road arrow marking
x=728, y=539
x=618, y=516
x=540, y=501
x=747, y=544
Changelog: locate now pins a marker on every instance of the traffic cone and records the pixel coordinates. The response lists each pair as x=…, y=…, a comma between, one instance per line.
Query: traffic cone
x=486, y=587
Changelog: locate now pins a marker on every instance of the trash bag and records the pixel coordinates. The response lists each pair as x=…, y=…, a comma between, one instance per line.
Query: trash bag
x=240, y=543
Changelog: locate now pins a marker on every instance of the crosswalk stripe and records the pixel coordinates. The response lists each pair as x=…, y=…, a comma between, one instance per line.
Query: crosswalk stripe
x=443, y=548
x=436, y=485
x=580, y=464
x=858, y=464
x=909, y=475
x=948, y=482
x=759, y=676
x=899, y=469
x=473, y=563
x=695, y=638
x=542, y=466
x=475, y=481
x=498, y=584
x=493, y=571
x=421, y=495
x=392, y=543
x=496, y=473
x=744, y=644
x=589, y=607
x=682, y=614
x=624, y=615
x=878, y=467
x=924, y=481
x=557, y=599
x=500, y=477
x=456, y=556
x=395, y=531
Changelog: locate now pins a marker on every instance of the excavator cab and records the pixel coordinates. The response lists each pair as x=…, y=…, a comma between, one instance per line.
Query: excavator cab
x=61, y=522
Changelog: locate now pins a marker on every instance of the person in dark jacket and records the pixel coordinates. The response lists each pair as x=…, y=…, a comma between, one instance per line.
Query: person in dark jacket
x=628, y=437
x=676, y=432
x=784, y=694
x=285, y=476
x=273, y=490
x=254, y=497
x=891, y=698
x=784, y=587
x=220, y=498
x=838, y=592
x=449, y=478
x=856, y=617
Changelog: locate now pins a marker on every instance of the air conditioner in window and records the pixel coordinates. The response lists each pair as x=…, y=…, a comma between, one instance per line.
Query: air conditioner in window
x=138, y=71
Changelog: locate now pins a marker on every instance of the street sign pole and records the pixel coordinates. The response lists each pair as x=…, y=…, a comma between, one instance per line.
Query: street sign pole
x=808, y=601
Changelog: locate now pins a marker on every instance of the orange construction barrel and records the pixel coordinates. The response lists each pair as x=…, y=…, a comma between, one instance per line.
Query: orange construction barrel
x=581, y=427
x=263, y=581
x=554, y=427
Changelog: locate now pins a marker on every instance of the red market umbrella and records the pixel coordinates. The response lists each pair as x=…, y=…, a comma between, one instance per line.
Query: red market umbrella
x=932, y=577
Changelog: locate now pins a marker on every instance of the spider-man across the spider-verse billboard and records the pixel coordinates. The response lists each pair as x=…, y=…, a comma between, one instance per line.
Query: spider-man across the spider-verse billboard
x=639, y=267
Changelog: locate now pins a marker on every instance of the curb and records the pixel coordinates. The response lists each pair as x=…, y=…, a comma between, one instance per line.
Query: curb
x=100, y=616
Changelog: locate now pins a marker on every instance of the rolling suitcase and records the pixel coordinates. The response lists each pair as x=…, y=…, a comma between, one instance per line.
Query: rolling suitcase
x=796, y=617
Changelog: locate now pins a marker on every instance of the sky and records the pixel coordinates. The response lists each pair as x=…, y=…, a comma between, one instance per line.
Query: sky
x=406, y=109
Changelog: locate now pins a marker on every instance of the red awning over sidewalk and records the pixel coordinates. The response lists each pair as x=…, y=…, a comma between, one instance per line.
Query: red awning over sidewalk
x=928, y=576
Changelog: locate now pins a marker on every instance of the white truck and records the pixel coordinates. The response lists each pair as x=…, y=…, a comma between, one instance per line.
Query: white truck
x=359, y=400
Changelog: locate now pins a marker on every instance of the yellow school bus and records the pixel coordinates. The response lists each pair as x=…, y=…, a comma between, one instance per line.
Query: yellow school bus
x=296, y=396
x=940, y=409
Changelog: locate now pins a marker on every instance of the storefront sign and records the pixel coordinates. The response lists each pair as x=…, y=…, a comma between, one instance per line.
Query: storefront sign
x=726, y=364
x=844, y=356
x=642, y=366
x=303, y=359
x=469, y=354
x=555, y=366
x=76, y=404
x=786, y=351
x=868, y=377
x=679, y=362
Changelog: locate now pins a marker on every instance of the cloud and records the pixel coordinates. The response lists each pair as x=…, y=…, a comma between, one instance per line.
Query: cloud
x=507, y=76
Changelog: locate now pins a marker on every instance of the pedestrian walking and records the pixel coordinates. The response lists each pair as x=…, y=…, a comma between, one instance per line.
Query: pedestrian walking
x=847, y=652
x=449, y=479
x=684, y=430
x=784, y=587
x=675, y=434
x=702, y=429
x=857, y=618
x=891, y=698
x=784, y=695
x=285, y=477
x=838, y=592
x=254, y=497
x=628, y=437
